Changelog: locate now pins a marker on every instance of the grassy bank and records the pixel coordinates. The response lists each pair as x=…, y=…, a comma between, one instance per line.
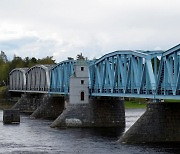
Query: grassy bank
x=134, y=105
x=171, y=100
x=141, y=103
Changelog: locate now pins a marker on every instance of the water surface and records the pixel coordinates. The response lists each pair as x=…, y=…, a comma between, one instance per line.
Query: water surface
x=35, y=136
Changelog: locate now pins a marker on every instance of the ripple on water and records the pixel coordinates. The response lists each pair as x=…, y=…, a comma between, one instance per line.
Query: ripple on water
x=35, y=136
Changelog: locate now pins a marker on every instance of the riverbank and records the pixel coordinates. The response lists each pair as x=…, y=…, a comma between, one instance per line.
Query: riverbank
x=141, y=103
x=135, y=103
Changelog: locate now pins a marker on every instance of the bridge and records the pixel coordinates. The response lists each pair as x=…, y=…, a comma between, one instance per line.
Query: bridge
x=90, y=93
x=126, y=73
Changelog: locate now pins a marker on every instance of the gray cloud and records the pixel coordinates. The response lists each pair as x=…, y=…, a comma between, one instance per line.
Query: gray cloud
x=64, y=28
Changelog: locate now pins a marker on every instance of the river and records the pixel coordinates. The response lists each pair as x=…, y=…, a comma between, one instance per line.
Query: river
x=35, y=136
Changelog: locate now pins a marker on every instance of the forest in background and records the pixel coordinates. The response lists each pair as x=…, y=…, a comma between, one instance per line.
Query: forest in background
x=17, y=62
x=6, y=66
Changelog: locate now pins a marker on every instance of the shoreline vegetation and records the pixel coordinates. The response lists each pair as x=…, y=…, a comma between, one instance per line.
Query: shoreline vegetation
x=134, y=104
x=4, y=103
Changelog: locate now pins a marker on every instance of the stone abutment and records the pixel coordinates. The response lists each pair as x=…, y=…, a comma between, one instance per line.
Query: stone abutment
x=160, y=123
x=99, y=112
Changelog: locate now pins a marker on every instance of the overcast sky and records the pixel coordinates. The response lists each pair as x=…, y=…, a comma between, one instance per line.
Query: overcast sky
x=64, y=28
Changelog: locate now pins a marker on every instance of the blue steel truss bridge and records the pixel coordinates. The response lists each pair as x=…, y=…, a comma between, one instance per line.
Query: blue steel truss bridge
x=125, y=73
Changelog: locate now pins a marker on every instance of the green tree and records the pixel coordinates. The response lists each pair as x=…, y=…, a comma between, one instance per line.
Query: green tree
x=16, y=62
x=4, y=72
x=26, y=61
x=48, y=60
x=80, y=57
x=3, y=57
x=33, y=61
x=4, y=69
x=70, y=58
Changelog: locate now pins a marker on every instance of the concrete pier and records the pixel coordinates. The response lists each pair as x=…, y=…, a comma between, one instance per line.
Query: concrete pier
x=160, y=123
x=99, y=112
x=75, y=115
x=84, y=111
x=11, y=116
x=108, y=112
x=50, y=108
x=28, y=103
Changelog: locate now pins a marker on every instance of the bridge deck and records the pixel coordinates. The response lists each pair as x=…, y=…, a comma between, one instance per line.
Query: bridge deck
x=173, y=97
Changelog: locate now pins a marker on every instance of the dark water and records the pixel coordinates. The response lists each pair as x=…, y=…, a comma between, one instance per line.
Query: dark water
x=35, y=136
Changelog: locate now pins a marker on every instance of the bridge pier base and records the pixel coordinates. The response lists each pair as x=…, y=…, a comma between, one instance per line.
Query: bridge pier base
x=74, y=115
x=28, y=103
x=50, y=108
x=99, y=112
x=108, y=112
x=160, y=123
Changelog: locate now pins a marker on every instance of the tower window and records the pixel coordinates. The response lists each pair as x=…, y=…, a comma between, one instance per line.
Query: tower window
x=82, y=81
x=82, y=96
x=82, y=68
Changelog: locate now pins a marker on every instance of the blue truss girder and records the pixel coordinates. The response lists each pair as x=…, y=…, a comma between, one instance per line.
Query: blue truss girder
x=133, y=73
x=169, y=72
x=60, y=76
x=123, y=71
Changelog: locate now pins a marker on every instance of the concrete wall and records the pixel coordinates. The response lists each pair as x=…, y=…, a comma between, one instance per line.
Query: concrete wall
x=79, y=83
x=50, y=109
x=79, y=71
x=76, y=88
x=11, y=116
x=99, y=112
x=160, y=123
x=108, y=112
x=41, y=105
x=75, y=115
x=29, y=102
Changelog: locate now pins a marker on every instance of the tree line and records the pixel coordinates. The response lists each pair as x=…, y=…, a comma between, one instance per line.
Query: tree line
x=17, y=62
x=6, y=66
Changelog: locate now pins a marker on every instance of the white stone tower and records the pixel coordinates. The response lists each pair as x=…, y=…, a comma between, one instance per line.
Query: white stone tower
x=79, y=82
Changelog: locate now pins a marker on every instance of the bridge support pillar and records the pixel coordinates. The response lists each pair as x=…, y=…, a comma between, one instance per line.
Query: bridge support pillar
x=50, y=108
x=75, y=115
x=99, y=112
x=28, y=103
x=82, y=111
x=108, y=112
x=160, y=123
